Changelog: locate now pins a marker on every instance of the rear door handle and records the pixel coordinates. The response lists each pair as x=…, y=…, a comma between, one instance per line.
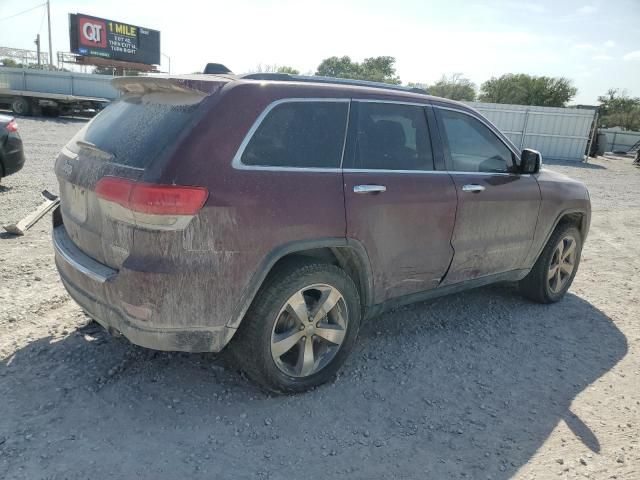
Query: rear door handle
x=473, y=188
x=369, y=189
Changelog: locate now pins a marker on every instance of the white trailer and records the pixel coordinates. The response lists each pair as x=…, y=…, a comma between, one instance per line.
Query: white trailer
x=35, y=92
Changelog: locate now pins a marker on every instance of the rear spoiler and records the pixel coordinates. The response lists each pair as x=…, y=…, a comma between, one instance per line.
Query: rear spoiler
x=199, y=84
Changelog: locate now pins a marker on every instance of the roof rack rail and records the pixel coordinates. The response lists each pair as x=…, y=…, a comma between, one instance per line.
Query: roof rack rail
x=287, y=77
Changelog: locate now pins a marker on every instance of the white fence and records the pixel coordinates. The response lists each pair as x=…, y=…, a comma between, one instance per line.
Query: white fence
x=619, y=140
x=560, y=133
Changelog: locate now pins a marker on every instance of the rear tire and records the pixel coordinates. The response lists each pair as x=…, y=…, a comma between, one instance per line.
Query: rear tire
x=300, y=328
x=553, y=273
x=21, y=106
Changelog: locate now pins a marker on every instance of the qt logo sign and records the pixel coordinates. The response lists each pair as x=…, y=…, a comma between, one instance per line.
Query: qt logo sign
x=93, y=32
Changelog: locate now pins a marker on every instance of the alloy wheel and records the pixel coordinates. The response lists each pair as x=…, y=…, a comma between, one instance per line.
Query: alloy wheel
x=563, y=263
x=309, y=330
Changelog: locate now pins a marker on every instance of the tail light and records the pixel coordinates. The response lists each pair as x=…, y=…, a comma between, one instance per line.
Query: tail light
x=150, y=198
x=12, y=126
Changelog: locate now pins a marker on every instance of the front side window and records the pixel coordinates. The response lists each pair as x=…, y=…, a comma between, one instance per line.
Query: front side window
x=472, y=146
x=392, y=137
x=299, y=134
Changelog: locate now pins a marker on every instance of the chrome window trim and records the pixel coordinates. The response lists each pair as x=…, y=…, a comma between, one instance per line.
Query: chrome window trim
x=237, y=159
x=395, y=102
x=436, y=172
x=484, y=174
x=238, y=165
x=389, y=170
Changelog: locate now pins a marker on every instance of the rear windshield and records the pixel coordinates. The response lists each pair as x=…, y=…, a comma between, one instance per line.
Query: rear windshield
x=135, y=130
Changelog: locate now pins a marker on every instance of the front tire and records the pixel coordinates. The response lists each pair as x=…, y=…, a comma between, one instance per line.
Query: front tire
x=553, y=273
x=300, y=328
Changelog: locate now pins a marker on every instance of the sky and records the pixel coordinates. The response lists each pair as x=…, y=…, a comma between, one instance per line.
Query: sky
x=595, y=43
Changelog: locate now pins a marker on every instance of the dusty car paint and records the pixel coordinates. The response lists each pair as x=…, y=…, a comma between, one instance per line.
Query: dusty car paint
x=187, y=289
x=494, y=229
x=561, y=196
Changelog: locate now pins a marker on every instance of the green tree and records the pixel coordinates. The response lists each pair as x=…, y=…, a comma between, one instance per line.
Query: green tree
x=618, y=109
x=289, y=70
x=421, y=86
x=10, y=62
x=454, y=87
x=523, y=89
x=276, y=69
x=375, y=69
x=339, y=67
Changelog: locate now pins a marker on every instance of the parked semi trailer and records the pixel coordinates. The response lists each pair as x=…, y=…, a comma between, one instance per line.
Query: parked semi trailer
x=36, y=92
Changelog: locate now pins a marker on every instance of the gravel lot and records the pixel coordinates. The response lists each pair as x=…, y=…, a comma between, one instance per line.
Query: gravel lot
x=479, y=385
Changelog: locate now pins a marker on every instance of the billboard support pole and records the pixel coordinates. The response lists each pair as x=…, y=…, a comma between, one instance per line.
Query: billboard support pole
x=49, y=25
x=168, y=58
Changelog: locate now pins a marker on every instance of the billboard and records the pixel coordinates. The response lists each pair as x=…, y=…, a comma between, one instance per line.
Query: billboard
x=99, y=37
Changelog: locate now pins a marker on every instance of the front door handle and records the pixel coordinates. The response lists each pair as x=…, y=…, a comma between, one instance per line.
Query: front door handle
x=369, y=189
x=473, y=188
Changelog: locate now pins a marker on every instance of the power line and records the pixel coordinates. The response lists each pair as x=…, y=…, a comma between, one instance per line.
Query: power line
x=44, y=14
x=24, y=11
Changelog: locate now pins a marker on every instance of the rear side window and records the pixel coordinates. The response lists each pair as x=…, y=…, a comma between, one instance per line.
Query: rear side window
x=299, y=134
x=136, y=131
x=472, y=146
x=392, y=137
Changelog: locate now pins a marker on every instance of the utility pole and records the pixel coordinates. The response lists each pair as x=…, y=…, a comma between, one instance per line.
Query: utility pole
x=37, y=42
x=49, y=24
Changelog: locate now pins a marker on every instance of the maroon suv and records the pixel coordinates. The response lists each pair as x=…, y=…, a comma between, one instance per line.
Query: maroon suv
x=276, y=215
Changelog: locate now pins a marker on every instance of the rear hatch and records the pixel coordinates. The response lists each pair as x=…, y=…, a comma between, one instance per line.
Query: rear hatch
x=106, y=172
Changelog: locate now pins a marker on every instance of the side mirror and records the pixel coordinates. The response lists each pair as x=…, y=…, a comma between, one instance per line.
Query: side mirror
x=530, y=161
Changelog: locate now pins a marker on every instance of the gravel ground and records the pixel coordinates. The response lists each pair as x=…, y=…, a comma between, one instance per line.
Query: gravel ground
x=479, y=385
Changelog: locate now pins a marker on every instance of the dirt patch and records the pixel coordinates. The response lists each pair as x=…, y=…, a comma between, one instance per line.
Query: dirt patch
x=479, y=385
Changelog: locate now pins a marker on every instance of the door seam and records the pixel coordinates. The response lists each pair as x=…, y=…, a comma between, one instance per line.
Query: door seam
x=453, y=230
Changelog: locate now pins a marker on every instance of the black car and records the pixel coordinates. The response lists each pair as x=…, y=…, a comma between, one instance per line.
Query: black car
x=11, y=153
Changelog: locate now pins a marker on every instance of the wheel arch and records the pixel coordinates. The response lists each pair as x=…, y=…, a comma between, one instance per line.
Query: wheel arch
x=576, y=217
x=348, y=254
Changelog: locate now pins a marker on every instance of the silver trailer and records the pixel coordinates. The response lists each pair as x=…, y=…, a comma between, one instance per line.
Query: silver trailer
x=35, y=92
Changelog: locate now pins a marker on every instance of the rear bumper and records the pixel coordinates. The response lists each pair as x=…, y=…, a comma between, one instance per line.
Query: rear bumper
x=94, y=287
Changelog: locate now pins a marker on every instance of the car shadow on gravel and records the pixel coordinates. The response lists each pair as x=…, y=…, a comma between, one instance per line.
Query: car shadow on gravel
x=8, y=236
x=466, y=386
